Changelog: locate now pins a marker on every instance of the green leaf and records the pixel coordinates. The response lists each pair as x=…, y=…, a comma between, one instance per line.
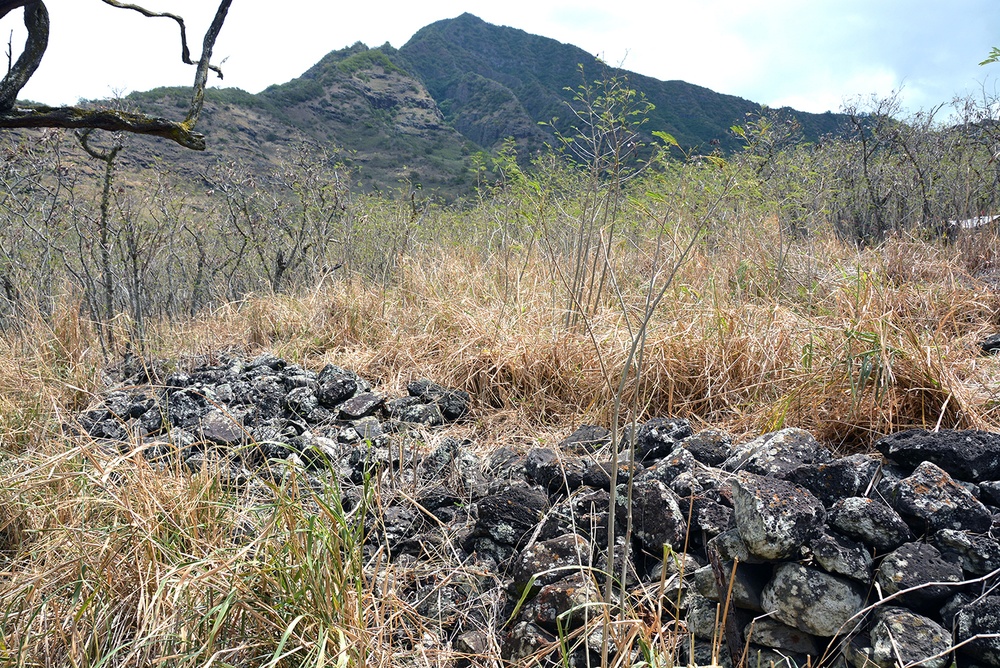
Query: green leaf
x=737, y=130
x=993, y=57
x=667, y=138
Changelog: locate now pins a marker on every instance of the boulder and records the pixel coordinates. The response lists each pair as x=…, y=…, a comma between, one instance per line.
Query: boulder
x=813, y=601
x=967, y=455
x=932, y=500
x=774, y=517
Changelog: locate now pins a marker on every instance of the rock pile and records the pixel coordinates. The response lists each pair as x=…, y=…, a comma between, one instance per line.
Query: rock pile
x=871, y=559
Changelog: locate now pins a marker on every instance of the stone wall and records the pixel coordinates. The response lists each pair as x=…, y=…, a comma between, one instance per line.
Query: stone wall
x=879, y=559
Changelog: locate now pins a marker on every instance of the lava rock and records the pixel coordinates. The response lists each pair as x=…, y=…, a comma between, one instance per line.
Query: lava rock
x=842, y=556
x=772, y=633
x=869, y=521
x=656, y=516
x=811, y=600
x=915, y=565
x=967, y=455
x=832, y=481
x=979, y=618
x=931, y=498
x=774, y=517
x=777, y=453
x=710, y=447
x=548, y=561
x=658, y=437
x=900, y=635
x=587, y=439
x=454, y=404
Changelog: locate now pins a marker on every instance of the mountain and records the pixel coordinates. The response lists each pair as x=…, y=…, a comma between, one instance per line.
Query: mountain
x=418, y=114
x=474, y=70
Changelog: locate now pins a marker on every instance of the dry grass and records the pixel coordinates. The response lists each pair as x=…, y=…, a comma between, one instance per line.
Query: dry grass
x=105, y=561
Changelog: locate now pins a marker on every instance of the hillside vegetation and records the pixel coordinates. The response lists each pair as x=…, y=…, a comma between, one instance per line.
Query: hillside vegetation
x=786, y=285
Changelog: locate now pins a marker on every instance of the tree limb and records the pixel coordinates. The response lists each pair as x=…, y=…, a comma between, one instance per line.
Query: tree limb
x=185, y=51
x=102, y=119
x=36, y=20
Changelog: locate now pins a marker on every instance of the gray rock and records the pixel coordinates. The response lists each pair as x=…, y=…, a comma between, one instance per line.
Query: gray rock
x=678, y=461
x=748, y=584
x=842, y=556
x=811, y=600
x=917, y=565
x=584, y=513
x=454, y=404
x=564, y=604
x=525, y=640
x=932, y=499
x=774, y=517
x=777, y=453
x=980, y=618
x=361, y=405
x=772, y=633
x=548, y=561
x=899, y=635
x=730, y=546
x=657, y=437
x=978, y=554
x=869, y=521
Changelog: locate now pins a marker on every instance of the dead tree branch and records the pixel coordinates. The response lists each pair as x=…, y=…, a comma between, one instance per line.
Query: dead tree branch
x=36, y=20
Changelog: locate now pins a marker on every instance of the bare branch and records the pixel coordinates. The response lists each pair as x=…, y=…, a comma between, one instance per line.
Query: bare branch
x=102, y=119
x=36, y=20
x=185, y=52
x=201, y=76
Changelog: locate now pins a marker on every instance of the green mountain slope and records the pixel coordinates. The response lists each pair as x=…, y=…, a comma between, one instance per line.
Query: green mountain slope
x=416, y=115
x=472, y=68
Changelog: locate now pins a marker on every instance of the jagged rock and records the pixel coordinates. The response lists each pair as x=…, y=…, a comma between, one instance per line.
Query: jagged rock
x=657, y=437
x=842, y=556
x=748, y=584
x=978, y=555
x=656, y=516
x=428, y=415
x=710, y=447
x=915, y=565
x=702, y=613
x=764, y=656
x=548, y=561
x=811, y=600
x=931, y=499
x=709, y=517
x=508, y=517
x=730, y=546
x=967, y=455
x=361, y=405
x=587, y=439
x=772, y=633
x=525, y=640
x=554, y=472
x=335, y=386
x=774, y=517
x=979, y=618
x=832, y=481
x=454, y=404
x=900, y=636
x=565, y=604
x=777, y=453
x=584, y=513
x=869, y=521
x=989, y=492
x=667, y=469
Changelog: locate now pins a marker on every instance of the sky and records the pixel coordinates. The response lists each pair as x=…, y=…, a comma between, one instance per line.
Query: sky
x=812, y=55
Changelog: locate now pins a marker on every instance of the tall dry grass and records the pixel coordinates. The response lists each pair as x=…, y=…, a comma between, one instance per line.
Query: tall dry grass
x=105, y=561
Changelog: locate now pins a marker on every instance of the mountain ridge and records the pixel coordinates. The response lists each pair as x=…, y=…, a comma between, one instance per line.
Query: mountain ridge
x=417, y=114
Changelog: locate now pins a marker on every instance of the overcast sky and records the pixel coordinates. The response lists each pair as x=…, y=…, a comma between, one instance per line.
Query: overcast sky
x=809, y=54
